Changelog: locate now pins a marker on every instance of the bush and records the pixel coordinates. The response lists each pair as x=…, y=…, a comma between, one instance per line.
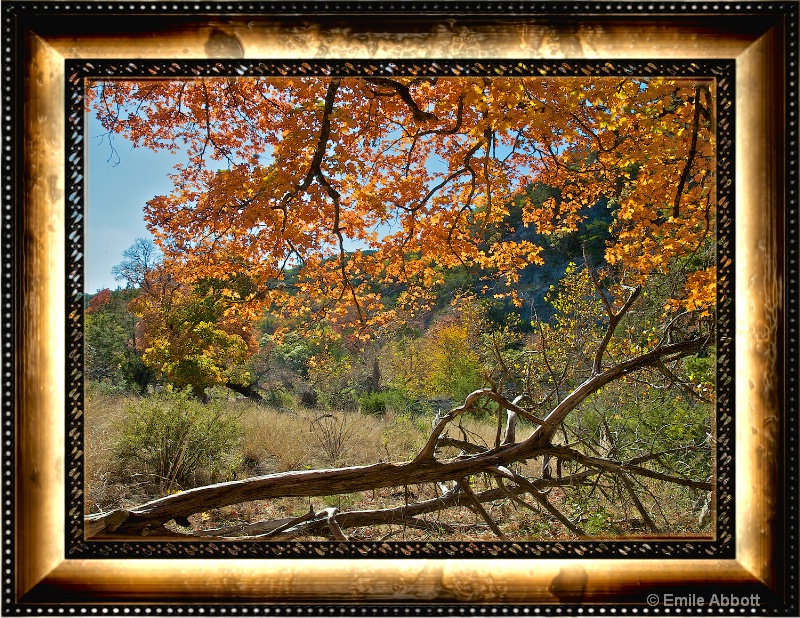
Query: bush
x=404, y=435
x=340, y=399
x=279, y=398
x=175, y=442
x=455, y=367
x=332, y=433
x=309, y=398
x=374, y=403
x=396, y=400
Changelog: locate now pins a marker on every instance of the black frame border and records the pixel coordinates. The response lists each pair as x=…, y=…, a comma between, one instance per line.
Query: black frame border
x=722, y=72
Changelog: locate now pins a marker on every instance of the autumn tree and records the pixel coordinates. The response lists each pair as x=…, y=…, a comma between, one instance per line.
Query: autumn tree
x=323, y=191
x=294, y=172
x=111, y=353
x=193, y=338
x=106, y=338
x=185, y=333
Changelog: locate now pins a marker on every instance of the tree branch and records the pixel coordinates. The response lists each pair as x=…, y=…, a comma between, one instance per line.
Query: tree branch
x=150, y=517
x=540, y=498
x=614, y=317
x=404, y=93
x=621, y=467
x=676, y=206
x=651, y=525
x=464, y=485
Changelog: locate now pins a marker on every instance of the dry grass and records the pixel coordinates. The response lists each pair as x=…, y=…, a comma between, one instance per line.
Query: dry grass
x=104, y=415
x=280, y=440
x=273, y=440
x=276, y=440
x=270, y=440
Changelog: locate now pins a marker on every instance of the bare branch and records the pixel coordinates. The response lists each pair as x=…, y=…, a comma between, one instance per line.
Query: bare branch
x=464, y=485
x=150, y=517
x=336, y=531
x=639, y=506
x=469, y=403
x=614, y=317
x=511, y=428
x=676, y=206
x=291, y=523
x=680, y=383
x=541, y=498
x=619, y=467
x=467, y=447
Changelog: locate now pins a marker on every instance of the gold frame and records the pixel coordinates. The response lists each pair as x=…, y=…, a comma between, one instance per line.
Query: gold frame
x=48, y=36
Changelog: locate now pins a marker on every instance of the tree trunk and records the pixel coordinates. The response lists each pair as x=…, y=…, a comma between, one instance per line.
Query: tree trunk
x=248, y=391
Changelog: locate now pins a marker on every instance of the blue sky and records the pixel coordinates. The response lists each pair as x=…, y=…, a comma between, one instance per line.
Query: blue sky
x=117, y=192
x=119, y=185
x=120, y=181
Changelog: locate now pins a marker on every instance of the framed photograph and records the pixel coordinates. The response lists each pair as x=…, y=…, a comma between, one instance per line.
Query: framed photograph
x=393, y=308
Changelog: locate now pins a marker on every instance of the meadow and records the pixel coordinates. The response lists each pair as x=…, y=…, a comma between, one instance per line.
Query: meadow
x=267, y=440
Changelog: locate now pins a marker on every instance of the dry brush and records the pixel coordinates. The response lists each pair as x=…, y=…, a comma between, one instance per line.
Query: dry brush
x=432, y=466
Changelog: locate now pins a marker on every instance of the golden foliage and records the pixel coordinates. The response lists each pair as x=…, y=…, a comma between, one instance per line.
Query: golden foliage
x=326, y=190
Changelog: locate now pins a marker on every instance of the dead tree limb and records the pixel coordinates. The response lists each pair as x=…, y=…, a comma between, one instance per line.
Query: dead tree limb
x=622, y=467
x=149, y=518
x=464, y=485
x=540, y=497
x=648, y=521
x=311, y=523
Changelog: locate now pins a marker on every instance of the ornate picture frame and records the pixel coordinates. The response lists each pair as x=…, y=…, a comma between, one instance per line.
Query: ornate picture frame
x=49, y=566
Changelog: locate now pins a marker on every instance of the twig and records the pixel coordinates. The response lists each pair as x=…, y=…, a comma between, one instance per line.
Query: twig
x=614, y=317
x=596, y=462
x=541, y=498
x=297, y=520
x=336, y=531
x=639, y=506
x=464, y=485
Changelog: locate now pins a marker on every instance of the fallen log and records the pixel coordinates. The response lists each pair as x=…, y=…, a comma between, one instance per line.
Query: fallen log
x=313, y=523
x=149, y=518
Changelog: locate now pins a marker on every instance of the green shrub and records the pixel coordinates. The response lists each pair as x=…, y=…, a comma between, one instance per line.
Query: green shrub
x=344, y=398
x=399, y=401
x=374, y=403
x=172, y=441
x=279, y=398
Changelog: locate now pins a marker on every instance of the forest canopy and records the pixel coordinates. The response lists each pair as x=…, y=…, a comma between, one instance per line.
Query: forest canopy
x=312, y=194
